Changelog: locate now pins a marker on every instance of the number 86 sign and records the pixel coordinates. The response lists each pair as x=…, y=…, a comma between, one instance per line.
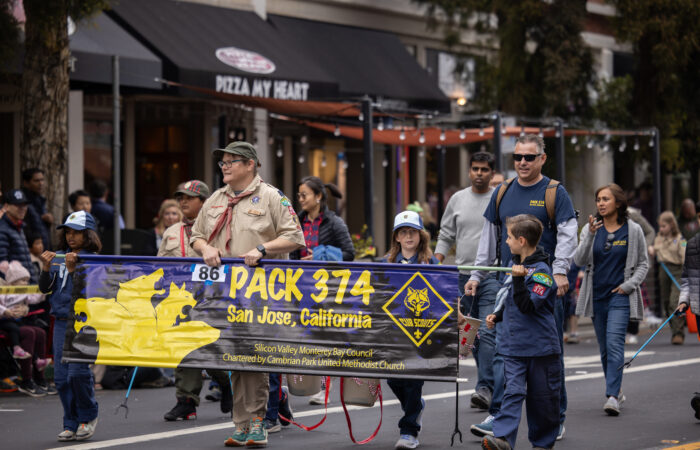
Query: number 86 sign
x=202, y=272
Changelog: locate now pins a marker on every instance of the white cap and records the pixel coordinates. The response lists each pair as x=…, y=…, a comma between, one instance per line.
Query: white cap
x=408, y=219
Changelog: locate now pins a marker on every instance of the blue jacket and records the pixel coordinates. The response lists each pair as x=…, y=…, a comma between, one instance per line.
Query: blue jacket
x=60, y=283
x=528, y=327
x=13, y=246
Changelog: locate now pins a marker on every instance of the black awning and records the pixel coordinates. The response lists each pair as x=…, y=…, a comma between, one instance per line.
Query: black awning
x=94, y=43
x=237, y=52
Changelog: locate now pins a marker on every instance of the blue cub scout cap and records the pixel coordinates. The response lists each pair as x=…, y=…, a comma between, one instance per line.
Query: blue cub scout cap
x=79, y=221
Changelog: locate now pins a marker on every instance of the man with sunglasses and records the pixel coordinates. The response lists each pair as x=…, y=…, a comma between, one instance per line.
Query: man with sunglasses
x=526, y=195
x=247, y=219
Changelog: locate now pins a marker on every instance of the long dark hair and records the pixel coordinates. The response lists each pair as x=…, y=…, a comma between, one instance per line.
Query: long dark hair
x=319, y=187
x=423, y=250
x=620, y=200
x=91, y=239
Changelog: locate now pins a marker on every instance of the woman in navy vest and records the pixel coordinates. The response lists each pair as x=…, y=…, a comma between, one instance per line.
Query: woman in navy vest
x=612, y=251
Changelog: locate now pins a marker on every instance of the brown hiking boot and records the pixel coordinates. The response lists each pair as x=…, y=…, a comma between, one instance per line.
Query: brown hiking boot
x=677, y=340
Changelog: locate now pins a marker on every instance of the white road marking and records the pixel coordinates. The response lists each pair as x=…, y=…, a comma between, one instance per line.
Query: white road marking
x=11, y=410
x=337, y=409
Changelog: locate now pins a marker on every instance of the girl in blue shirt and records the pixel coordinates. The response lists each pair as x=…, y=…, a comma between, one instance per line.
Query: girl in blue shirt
x=74, y=381
x=410, y=244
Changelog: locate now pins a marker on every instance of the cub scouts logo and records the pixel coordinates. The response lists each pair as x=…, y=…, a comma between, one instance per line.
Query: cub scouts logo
x=417, y=309
x=417, y=300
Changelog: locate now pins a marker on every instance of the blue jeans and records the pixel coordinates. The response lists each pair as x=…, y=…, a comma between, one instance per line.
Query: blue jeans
x=499, y=382
x=273, y=400
x=485, y=345
x=74, y=383
x=610, y=316
x=537, y=380
x=409, y=393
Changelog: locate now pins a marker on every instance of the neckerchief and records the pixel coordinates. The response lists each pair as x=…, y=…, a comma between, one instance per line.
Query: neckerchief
x=187, y=226
x=227, y=216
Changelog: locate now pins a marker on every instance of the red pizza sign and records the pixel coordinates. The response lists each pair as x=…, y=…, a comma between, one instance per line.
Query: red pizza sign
x=245, y=60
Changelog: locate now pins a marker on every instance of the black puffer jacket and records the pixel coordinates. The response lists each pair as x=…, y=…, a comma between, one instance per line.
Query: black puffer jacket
x=13, y=246
x=690, y=280
x=332, y=231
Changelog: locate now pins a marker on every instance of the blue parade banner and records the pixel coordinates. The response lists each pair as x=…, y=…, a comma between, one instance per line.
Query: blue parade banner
x=306, y=317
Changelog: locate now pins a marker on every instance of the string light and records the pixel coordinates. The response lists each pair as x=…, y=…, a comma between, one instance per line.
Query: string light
x=421, y=153
x=481, y=130
x=380, y=125
x=402, y=135
x=589, y=143
x=636, y=144
x=403, y=158
x=385, y=163
x=651, y=140
x=574, y=139
x=301, y=159
x=577, y=148
x=623, y=145
x=323, y=161
x=462, y=133
x=280, y=152
x=503, y=129
x=304, y=139
x=442, y=135
x=606, y=147
x=522, y=130
x=421, y=138
x=336, y=132
x=541, y=133
x=557, y=133
x=361, y=117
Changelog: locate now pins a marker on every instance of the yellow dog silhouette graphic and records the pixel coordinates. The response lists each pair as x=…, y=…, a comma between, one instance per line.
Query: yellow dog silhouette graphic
x=417, y=300
x=130, y=331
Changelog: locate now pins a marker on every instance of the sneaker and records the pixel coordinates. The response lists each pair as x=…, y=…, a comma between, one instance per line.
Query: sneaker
x=257, y=434
x=419, y=419
x=238, y=439
x=695, y=404
x=481, y=398
x=612, y=406
x=621, y=398
x=285, y=408
x=86, y=430
x=31, y=388
x=407, y=441
x=7, y=385
x=214, y=394
x=484, y=428
x=184, y=409
x=573, y=339
x=562, y=430
x=66, y=435
x=633, y=339
x=226, y=404
x=41, y=364
x=272, y=426
x=494, y=443
x=19, y=353
x=319, y=398
x=48, y=388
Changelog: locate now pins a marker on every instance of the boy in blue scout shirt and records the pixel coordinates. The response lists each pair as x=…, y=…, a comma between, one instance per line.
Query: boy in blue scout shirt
x=528, y=342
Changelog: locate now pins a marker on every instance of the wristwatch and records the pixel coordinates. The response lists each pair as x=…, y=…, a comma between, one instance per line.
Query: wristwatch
x=261, y=249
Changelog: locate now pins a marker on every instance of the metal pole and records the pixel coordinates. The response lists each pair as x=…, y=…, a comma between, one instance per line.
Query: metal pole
x=657, y=172
x=369, y=167
x=116, y=156
x=497, y=140
x=560, y=147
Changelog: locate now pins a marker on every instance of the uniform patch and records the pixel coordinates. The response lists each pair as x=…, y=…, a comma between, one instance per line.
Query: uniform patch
x=285, y=201
x=255, y=200
x=543, y=278
x=539, y=289
x=255, y=212
x=291, y=210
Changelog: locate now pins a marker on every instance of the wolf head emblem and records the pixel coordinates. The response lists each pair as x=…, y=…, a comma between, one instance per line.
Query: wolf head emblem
x=417, y=300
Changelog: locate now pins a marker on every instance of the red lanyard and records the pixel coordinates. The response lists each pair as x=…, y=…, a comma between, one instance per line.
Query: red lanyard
x=182, y=240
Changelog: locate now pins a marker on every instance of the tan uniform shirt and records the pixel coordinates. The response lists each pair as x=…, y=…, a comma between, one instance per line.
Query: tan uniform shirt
x=670, y=249
x=176, y=243
x=261, y=217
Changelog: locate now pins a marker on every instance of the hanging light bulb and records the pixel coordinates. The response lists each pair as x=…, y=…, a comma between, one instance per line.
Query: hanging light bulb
x=346, y=165
x=421, y=153
x=623, y=145
x=361, y=117
x=421, y=138
x=577, y=148
x=503, y=129
x=362, y=166
x=606, y=147
x=304, y=139
x=280, y=152
x=301, y=159
x=380, y=125
x=403, y=158
x=390, y=124
x=557, y=133
x=385, y=163
x=462, y=133
x=522, y=130
x=589, y=143
x=402, y=135
x=336, y=132
x=636, y=144
x=442, y=135
x=651, y=140
x=574, y=139
x=541, y=133
x=323, y=161
x=481, y=130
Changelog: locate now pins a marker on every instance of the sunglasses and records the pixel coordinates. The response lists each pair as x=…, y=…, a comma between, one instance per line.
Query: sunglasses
x=529, y=158
x=609, y=242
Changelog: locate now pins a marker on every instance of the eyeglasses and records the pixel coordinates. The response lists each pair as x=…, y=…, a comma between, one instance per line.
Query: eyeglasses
x=227, y=164
x=302, y=195
x=529, y=158
x=609, y=242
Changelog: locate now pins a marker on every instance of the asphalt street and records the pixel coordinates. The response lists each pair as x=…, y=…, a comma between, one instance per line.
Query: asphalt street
x=657, y=413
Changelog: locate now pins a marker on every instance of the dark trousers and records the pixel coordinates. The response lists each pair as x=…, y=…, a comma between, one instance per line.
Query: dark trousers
x=537, y=381
x=409, y=393
x=188, y=382
x=11, y=329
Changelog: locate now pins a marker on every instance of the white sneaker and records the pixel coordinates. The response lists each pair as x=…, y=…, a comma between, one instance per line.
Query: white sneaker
x=612, y=406
x=86, y=430
x=66, y=435
x=632, y=339
x=407, y=441
x=317, y=399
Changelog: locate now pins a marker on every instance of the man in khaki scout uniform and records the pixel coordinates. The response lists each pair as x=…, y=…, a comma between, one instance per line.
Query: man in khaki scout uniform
x=246, y=219
x=176, y=242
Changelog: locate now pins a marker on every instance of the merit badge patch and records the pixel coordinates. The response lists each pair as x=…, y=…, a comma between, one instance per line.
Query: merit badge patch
x=285, y=201
x=543, y=278
x=291, y=210
x=539, y=289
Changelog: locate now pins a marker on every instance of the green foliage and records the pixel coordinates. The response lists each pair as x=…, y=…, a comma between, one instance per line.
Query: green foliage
x=615, y=101
x=45, y=17
x=541, y=66
x=9, y=31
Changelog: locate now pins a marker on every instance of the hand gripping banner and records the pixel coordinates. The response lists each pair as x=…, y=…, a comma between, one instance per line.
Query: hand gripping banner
x=349, y=319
